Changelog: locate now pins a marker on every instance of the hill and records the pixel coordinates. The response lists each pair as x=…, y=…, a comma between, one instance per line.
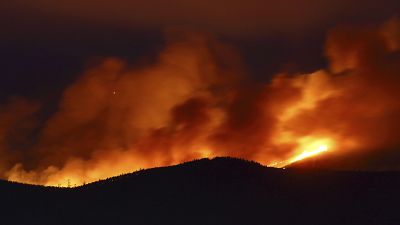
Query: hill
x=218, y=191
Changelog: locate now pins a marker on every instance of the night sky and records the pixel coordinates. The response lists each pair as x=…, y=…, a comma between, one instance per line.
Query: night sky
x=46, y=44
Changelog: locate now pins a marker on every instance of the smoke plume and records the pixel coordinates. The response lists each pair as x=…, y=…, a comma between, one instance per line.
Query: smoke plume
x=196, y=101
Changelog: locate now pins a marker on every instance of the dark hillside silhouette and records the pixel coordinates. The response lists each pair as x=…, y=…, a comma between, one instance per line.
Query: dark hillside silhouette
x=218, y=191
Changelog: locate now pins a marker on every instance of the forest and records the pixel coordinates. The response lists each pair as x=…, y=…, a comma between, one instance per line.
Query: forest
x=211, y=191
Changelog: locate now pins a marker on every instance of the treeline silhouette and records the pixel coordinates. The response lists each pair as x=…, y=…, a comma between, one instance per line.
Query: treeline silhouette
x=218, y=191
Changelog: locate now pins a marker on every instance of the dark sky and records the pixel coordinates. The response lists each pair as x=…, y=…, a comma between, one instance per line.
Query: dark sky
x=46, y=44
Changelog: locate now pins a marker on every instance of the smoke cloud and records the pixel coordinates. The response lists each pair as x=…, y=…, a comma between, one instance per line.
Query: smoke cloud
x=196, y=101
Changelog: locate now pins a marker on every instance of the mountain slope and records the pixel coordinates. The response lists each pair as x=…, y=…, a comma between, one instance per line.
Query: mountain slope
x=217, y=191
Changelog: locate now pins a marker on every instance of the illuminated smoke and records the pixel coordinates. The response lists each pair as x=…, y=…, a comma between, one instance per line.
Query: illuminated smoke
x=195, y=102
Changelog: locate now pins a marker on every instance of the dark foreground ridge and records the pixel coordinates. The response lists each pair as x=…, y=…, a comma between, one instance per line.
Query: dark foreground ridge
x=218, y=191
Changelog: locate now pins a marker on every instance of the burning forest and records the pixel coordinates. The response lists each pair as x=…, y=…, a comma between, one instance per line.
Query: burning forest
x=195, y=99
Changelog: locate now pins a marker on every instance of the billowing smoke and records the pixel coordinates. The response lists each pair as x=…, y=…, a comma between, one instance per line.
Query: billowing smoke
x=196, y=101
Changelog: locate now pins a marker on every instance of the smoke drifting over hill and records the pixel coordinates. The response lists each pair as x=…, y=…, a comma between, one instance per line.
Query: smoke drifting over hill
x=196, y=101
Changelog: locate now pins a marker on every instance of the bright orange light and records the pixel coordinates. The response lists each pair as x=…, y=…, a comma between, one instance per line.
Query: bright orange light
x=310, y=153
x=307, y=147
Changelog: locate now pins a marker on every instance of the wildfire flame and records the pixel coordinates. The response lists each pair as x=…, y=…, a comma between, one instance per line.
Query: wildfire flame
x=308, y=147
x=309, y=153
